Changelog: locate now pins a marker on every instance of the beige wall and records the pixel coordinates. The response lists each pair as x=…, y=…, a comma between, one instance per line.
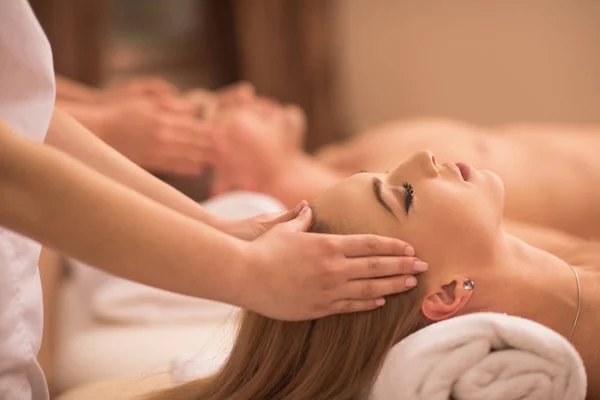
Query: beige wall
x=488, y=61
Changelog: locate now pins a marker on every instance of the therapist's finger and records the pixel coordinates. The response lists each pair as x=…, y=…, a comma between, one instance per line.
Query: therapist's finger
x=367, y=289
x=173, y=104
x=350, y=306
x=199, y=138
x=237, y=93
x=187, y=134
x=284, y=216
x=153, y=86
x=372, y=245
x=378, y=267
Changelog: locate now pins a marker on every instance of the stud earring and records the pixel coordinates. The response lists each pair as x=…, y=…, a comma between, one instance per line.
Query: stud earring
x=469, y=285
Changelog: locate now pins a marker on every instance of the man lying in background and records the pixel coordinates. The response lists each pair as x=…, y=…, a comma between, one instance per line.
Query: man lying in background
x=150, y=122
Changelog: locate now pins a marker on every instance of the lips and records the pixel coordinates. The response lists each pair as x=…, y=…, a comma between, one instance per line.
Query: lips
x=465, y=170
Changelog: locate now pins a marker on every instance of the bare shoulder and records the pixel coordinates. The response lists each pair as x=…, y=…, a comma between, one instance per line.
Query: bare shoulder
x=585, y=254
x=120, y=389
x=572, y=249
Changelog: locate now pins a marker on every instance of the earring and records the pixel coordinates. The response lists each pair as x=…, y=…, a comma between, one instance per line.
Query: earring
x=469, y=285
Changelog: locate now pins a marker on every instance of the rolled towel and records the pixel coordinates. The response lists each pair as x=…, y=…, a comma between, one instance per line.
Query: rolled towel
x=483, y=356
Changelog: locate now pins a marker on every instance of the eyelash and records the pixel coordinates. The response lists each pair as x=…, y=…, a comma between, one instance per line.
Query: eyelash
x=409, y=196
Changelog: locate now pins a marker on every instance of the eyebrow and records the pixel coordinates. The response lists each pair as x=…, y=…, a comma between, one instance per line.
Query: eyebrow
x=377, y=191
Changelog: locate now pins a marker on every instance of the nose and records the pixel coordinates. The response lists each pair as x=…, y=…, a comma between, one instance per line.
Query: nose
x=425, y=161
x=421, y=164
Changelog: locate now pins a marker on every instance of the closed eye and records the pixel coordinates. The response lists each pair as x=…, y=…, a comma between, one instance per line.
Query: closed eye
x=405, y=197
x=409, y=196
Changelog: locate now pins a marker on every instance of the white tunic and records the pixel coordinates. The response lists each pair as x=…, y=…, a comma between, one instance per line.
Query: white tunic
x=26, y=101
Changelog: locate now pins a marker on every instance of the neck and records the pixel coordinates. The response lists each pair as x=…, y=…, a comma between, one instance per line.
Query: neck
x=533, y=284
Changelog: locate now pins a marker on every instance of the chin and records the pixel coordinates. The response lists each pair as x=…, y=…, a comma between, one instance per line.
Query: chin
x=296, y=118
x=494, y=186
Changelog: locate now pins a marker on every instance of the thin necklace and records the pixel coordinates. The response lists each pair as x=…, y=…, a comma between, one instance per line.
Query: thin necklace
x=578, y=302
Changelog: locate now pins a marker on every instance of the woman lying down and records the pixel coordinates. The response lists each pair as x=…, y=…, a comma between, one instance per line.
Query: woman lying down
x=546, y=169
x=452, y=214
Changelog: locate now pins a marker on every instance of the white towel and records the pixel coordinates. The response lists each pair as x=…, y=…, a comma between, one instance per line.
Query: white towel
x=118, y=300
x=126, y=302
x=482, y=356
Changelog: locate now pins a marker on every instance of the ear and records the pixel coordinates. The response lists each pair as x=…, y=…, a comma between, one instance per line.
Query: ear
x=447, y=300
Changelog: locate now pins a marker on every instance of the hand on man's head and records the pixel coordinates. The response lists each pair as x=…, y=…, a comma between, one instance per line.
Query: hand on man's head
x=160, y=139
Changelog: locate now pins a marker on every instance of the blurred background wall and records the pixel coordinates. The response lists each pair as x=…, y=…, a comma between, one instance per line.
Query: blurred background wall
x=350, y=63
x=487, y=61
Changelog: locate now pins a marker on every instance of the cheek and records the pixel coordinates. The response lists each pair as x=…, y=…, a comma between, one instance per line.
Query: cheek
x=296, y=119
x=452, y=232
x=469, y=226
x=247, y=117
x=252, y=122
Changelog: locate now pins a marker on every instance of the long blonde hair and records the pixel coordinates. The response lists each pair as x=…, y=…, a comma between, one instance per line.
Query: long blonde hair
x=333, y=358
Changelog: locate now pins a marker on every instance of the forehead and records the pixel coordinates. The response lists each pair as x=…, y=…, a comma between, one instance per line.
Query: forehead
x=351, y=207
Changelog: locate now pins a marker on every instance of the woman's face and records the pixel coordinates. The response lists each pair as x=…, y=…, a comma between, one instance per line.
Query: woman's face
x=451, y=218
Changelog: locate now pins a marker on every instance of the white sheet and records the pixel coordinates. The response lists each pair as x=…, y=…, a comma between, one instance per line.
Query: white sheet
x=125, y=302
x=117, y=300
x=89, y=350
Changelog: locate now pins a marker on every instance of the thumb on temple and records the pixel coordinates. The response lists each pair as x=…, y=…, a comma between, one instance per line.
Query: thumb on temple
x=299, y=219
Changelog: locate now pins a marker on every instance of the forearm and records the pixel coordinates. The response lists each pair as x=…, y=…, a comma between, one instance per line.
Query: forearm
x=71, y=137
x=305, y=179
x=67, y=89
x=48, y=196
x=89, y=115
x=51, y=270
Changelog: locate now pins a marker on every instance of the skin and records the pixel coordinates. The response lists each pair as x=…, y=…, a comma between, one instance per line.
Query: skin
x=256, y=126
x=456, y=227
x=68, y=89
x=69, y=136
x=50, y=267
x=153, y=124
x=260, y=150
x=131, y=210
x=553, y=164
x=146, y=120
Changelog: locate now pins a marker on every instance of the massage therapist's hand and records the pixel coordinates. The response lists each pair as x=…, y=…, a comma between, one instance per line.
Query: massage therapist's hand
x=254, y=227
x=151, y=87
x=293, y=275
x=159, y=138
